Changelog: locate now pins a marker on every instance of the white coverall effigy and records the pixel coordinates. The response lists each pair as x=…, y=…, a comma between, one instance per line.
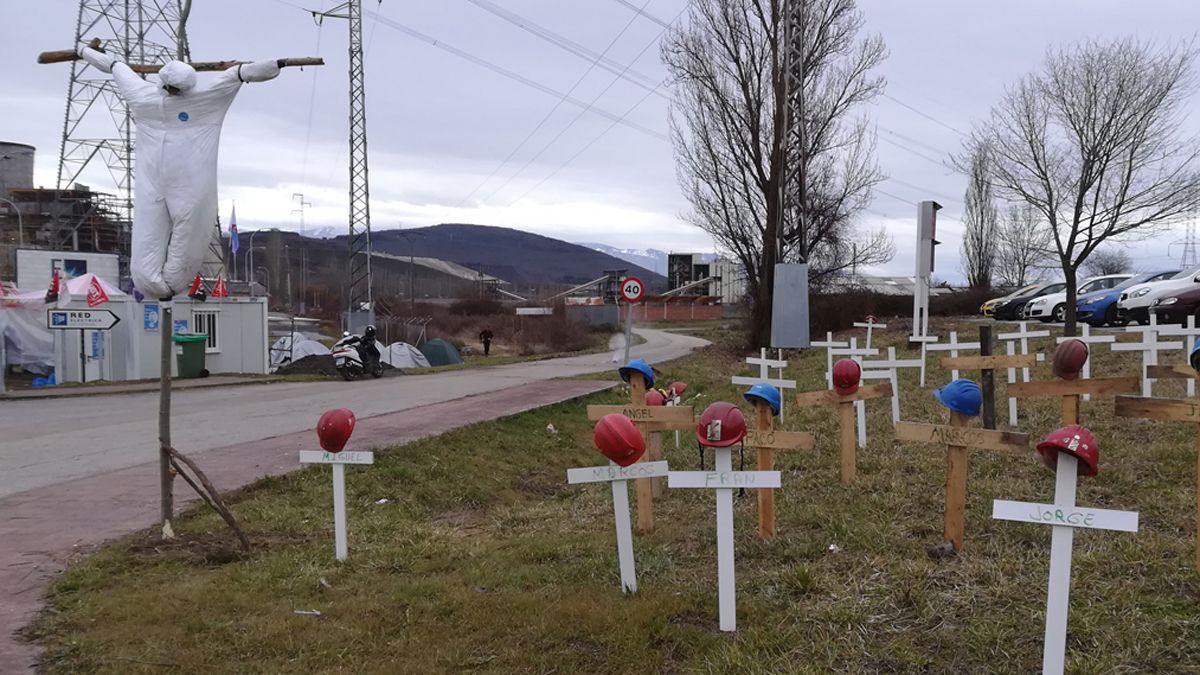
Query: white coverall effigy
x=175, y=173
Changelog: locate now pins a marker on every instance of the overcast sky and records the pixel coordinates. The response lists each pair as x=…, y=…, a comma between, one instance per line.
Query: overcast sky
x=441, y=125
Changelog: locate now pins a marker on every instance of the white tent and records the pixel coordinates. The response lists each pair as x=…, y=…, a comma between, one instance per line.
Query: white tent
x=403, y=355
x=291, y=348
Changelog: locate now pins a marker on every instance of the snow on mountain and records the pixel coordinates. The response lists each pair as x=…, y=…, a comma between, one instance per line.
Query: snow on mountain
x=650, y=258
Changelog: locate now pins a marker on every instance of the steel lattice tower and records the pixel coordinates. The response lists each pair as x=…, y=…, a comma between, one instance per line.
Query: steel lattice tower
x=361, y=301
x=792, y=185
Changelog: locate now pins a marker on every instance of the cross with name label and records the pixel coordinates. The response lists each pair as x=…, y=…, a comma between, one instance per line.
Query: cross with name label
x=1022, y=336
x=1173, y=410
x=958, y=437
x=829, y=344
x=845, y=406
x=724, y=480
x=887, y=368
x=333, y=431
x=1189, y=333
x=1150, y=346
x=1088, y=339
x=870, y=325
x=1064, y=516
x=860, y=408
x=954, y=347
x=764, y=365
x=766, y=440
x=619, y=477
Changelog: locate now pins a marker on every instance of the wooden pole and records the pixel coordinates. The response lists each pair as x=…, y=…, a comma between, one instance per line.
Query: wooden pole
x=765, y=422
x=987, y=379
x=654, y=450
x=1070, y=409
x=1198, y=500
x=956, y=487
x=645, y=491
x=166, y=478
x=846, y=411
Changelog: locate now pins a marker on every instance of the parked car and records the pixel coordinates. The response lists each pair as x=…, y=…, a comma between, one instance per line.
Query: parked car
x=1053, y=306
x=1100, y=307
x=1177, y=306
x=1135, y=302
x=1013, y=309
x=988, y=308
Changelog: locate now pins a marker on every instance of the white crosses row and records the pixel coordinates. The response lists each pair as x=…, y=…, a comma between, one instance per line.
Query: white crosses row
x=870, y=325
x=829, y=344
x=764, y=376
x=1022, y=335
x=338, y=460
x=954, y=347
x=1190, y=333
x=1150, y=346
x=886, y=369
x=1089, y=340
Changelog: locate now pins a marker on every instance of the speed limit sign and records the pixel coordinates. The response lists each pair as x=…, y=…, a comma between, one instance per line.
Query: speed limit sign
x=632, y=289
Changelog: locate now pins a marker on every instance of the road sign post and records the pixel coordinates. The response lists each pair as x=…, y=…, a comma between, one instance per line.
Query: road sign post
x=632, y=292
x=82, y=320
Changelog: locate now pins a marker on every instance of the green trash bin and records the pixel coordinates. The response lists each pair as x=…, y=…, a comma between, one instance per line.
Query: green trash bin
x=190, y=354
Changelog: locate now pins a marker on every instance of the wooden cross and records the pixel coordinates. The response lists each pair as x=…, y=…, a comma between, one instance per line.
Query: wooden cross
x=764, y=376
x=953, y=346
x=829, y=344
x=1190, y=333
x=869, y=324
x=766, y=440
x=846, y=417
x=1064, y=515
x=957, y=437
x=1150, y=346
x=338, y=460
x=724, y=480
x=619, y=476
x=1071, y=390
x=1022, y=335
x=886, y=368
x=860, y=408
x=1088, y=339
x=1173, y=410
x=649, y=419
x=986, y=365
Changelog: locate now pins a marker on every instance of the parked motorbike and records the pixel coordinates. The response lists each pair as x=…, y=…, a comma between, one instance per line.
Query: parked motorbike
x=354, y=358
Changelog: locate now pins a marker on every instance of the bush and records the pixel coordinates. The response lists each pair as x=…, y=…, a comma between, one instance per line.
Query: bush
x=837, y=311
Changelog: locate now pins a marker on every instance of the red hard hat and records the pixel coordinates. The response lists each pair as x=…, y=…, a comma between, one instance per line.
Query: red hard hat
x=677, y=387
x=1069, y=358
x=655, y=397
x=618, y=439
x=721, y=425
x=334, y=429
x=1074, y=440
x=846, y=376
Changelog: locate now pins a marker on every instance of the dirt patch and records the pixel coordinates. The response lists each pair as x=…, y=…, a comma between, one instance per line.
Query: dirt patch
x=541, y=486
x=694, y=620
x=211, y=549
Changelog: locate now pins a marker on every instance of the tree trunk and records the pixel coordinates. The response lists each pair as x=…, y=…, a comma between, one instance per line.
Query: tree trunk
x=1069, y=317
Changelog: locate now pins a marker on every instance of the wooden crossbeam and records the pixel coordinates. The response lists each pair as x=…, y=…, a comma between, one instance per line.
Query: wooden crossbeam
x=1172, y=373
x=644, y=413
x=1107, y=385
x=830, y=397
x=780, y=440
x=989, y=362
x=984, y=439
x=1174, y=410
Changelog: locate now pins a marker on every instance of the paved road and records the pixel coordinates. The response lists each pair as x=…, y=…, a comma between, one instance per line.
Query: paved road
x=46, y=442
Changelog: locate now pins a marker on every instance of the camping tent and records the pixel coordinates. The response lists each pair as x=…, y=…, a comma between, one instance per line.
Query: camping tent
x=284, y=351
x=441, y=353
x=404, y=355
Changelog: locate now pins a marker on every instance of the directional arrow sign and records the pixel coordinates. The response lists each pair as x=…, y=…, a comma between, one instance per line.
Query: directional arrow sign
x=80, y=319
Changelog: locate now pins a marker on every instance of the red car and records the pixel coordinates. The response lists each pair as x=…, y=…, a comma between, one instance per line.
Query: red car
x=1176, y=307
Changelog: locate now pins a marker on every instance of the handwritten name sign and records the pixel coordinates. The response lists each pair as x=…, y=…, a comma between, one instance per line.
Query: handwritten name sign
x=984, y=439
x=785, y=440
x=601, y=474
x=643, y=413
x=322, y=457
x=1070, y=516
x=723, y=479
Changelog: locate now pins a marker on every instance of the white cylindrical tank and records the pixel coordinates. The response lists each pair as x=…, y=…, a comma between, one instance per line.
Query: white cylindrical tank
x=16, y=166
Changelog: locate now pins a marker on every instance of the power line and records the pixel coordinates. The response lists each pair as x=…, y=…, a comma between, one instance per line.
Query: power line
x=918, y=188
x=550, y=114
x=923, y=156
x=926, y=115
x=641, y=12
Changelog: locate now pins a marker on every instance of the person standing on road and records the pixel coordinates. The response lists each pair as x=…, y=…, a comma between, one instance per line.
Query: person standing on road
x=486, y=337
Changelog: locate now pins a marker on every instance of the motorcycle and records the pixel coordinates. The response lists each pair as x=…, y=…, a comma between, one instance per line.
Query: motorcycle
x=353, y=360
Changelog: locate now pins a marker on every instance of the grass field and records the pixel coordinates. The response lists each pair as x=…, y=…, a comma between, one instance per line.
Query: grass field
x=483, y=559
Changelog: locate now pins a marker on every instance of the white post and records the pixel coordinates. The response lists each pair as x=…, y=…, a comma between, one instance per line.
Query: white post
x=620, y=495
x=1011, y=349
x=860, y=407
x=339, y=511
x=726, y=586
x=1058, y=597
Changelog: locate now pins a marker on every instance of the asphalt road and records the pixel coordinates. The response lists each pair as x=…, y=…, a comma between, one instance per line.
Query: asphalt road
x=49, y=441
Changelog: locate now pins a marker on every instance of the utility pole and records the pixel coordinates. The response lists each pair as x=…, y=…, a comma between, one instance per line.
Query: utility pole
x=299, y=196
x=411, y=238
x=360, y=307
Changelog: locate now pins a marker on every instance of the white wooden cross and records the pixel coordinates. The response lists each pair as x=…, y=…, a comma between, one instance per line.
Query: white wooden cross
x=886, y=369
x=953, y=346
x=724, y=480
x=1064, y=515
x=764, y=376
x=1189, y=333
x=339, y=460
x=869, y=324
x=1150, y=346
x=1023, y=334
x=1090, y=340
x=619, y=477
x=925, y=341
x=829, y=344
x=860, y=407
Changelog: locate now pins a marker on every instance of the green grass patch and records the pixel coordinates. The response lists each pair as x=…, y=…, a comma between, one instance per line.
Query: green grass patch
x=483, y=559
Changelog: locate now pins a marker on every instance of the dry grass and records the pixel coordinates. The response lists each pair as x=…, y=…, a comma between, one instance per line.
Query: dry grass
x=484, y=560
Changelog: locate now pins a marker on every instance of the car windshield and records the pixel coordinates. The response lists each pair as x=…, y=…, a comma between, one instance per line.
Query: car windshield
x=1024, y=291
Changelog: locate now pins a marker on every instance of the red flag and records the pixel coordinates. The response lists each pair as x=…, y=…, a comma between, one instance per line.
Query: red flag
x=196, y=286
x=95, y=293
x=220, y=290
x=52, y=293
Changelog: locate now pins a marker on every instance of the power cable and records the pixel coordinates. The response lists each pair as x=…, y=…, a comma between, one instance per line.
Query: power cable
x=918, y=188
x=641, y=12
x=926, y=115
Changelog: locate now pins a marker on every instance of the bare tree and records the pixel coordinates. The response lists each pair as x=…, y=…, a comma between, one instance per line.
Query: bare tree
x=980, y=221
x=728, y=127
x=1092, y=142
x=1024, y=246
x=1107, y=261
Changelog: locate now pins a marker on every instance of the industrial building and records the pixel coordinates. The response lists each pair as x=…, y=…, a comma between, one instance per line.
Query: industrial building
x=726, y=278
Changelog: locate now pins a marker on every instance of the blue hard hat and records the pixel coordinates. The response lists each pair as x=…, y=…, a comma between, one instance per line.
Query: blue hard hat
x=963, y=396
x=640, y=366
x=766, y=393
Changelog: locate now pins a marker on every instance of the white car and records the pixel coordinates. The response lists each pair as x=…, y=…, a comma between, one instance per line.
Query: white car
x=1053, y=307
x=1135, y=301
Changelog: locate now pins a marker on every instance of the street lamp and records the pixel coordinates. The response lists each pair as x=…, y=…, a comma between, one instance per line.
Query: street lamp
x=411, y=238
x=20, y=225
x=250, y=272
x=266, y=280
x=250, y=261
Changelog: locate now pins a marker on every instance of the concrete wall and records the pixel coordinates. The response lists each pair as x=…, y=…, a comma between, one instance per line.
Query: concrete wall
x=36, y=266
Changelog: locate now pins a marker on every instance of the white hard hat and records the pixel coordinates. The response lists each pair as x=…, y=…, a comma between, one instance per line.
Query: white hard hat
x=179, y=75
